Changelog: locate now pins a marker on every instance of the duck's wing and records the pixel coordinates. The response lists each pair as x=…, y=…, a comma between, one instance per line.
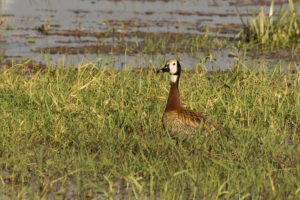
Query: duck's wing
x=197, y=120
x=190, y=117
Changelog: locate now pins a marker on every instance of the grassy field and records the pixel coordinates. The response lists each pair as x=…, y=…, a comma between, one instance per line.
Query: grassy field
x=95, y=133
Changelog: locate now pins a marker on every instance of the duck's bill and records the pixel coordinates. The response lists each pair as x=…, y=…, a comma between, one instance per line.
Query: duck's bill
x=166, y=68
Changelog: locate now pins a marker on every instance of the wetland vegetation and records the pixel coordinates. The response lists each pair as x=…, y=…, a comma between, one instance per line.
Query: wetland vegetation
x=93, y=130
x=277, y=29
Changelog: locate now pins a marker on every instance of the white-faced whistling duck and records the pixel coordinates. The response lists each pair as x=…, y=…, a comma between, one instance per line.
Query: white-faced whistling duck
x=178, y=121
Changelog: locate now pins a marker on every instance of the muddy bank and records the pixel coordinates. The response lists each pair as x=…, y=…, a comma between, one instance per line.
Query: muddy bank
x=92, y=27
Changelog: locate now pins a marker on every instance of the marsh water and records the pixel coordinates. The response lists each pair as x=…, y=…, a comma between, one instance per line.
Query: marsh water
x=72, y=30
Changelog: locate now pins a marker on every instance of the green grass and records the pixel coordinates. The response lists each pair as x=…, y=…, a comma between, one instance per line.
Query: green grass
x=278, y=29
x=91, y=132
x=180, y=43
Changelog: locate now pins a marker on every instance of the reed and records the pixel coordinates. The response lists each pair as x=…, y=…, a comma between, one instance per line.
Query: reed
x=277, y=29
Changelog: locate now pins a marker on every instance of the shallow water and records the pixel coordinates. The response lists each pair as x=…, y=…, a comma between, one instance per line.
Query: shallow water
x=73, y=23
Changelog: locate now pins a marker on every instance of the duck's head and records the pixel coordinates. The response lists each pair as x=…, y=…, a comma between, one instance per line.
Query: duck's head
x=174, y=68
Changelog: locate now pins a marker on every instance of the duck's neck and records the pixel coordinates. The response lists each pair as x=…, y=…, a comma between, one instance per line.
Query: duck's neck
x=173, y=100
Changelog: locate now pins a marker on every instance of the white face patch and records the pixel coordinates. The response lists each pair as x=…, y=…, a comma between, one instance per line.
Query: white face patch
x=173, y=78
x=173, y=67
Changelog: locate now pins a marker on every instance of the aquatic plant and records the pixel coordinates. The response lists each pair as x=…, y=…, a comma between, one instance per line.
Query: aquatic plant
x=279, y=29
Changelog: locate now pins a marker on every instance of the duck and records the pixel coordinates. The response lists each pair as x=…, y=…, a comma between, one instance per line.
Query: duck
x=180, y=123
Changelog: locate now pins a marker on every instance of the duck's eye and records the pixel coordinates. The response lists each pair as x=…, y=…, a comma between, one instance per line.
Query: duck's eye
x=173, y=63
